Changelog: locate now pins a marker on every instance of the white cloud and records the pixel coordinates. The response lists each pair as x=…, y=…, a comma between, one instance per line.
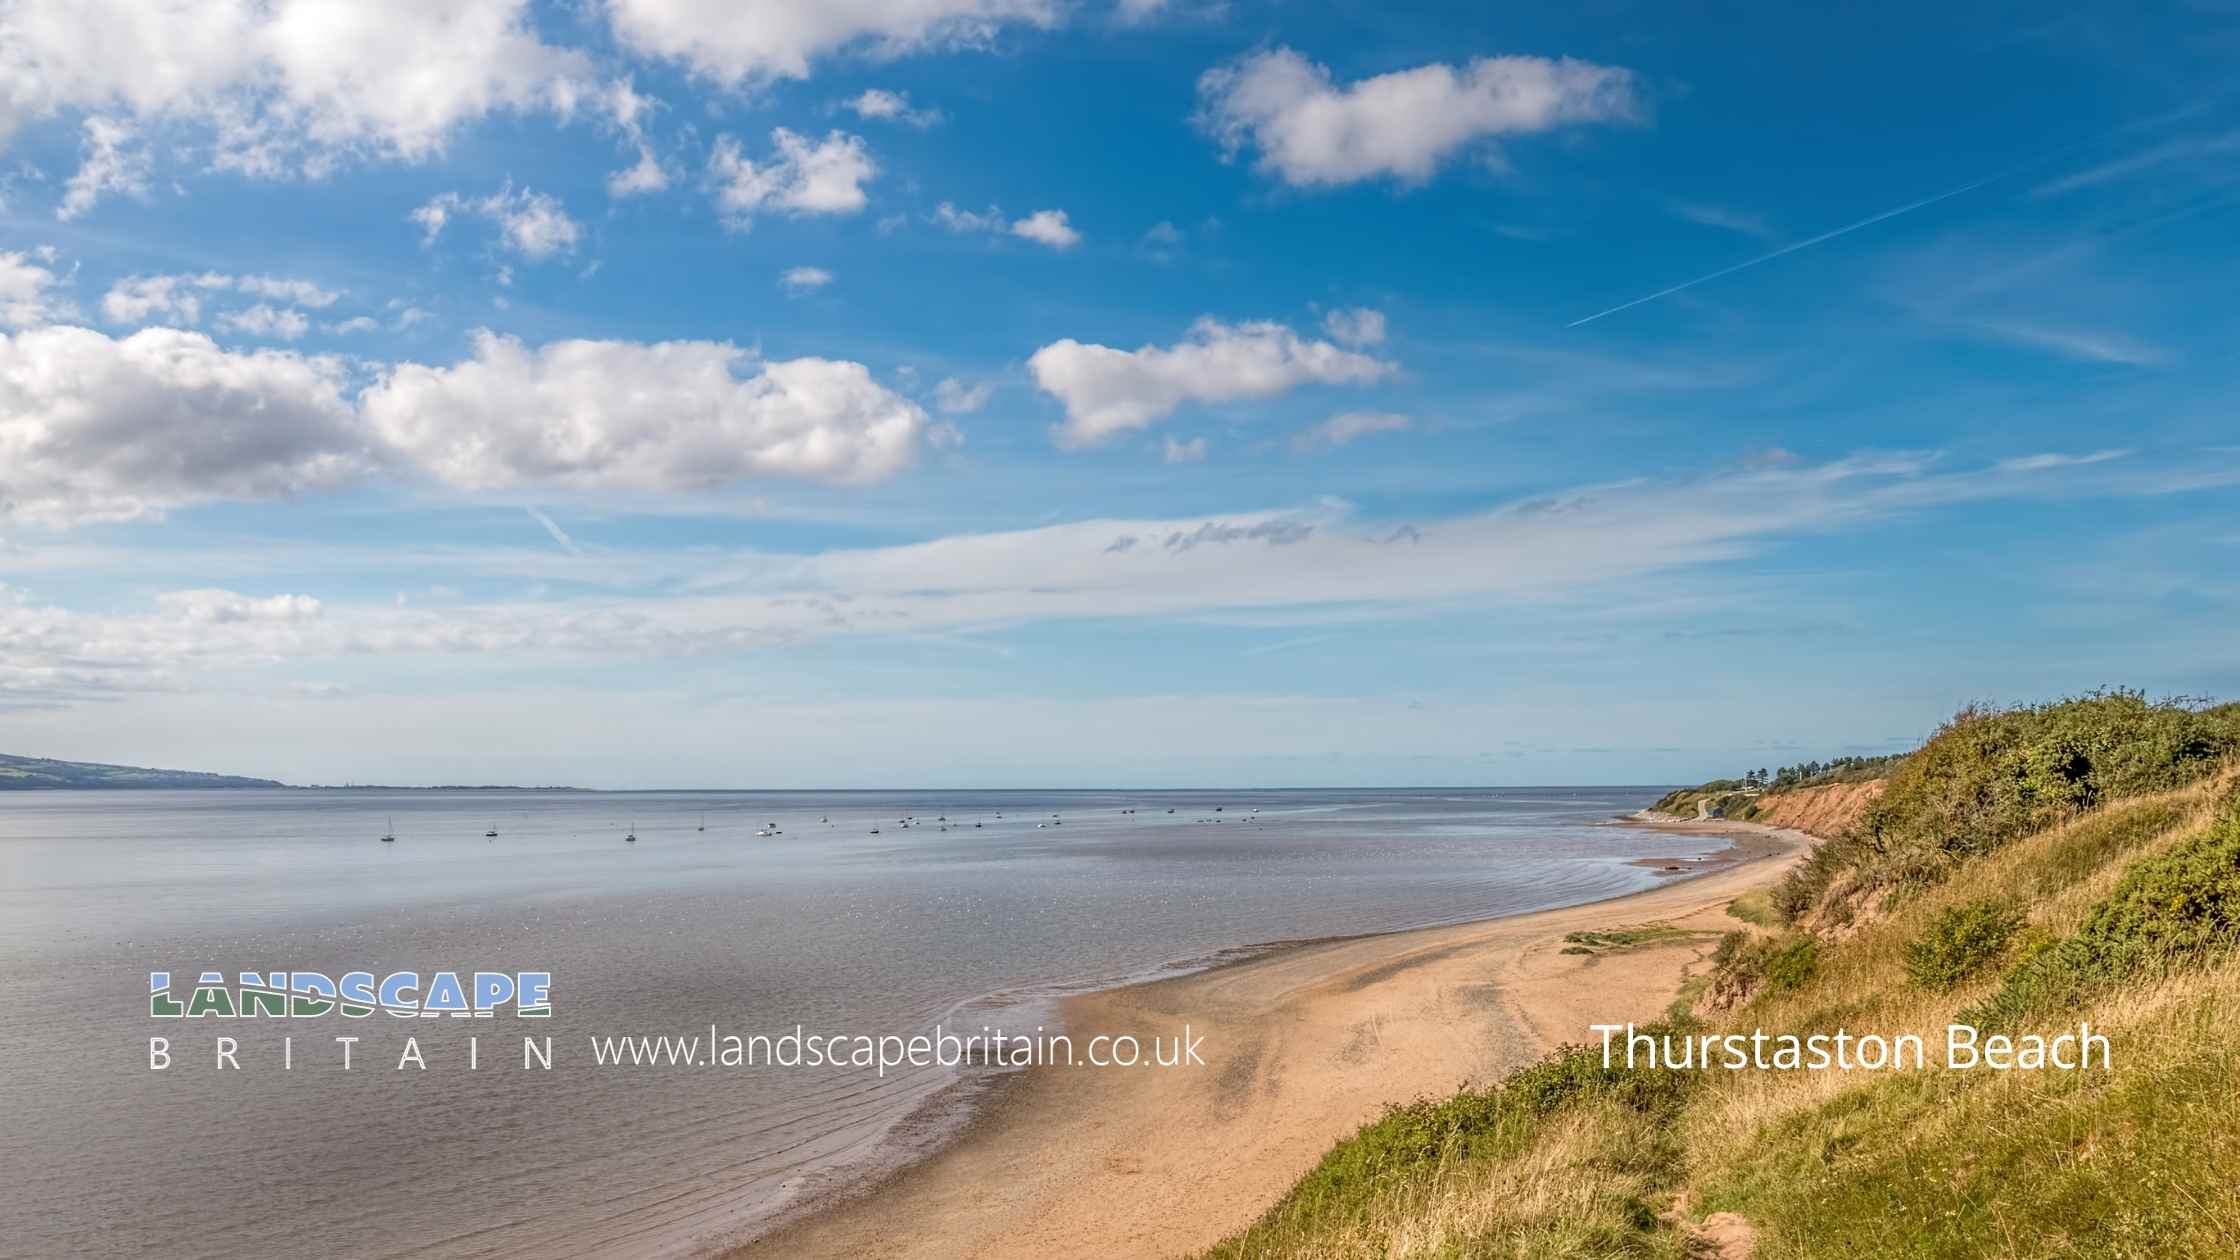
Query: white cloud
x=178, y=298
x=299, y=292
x=740, y=45
x=1356, y=326
x=948, y=216
x=878, y=103
x=287, y=85
x=1107, y=391
x=1047, y=227
x=804, y=279
x=355, y=324
x=804, y=177
x=957, y=398
x=2055, y=459
x=1724, y=218
x=532, y=224
x=1311, y=564
x=113, y=162
x=1044, y=227
x=93, y=428
x=646, y=175
x=265, y=320
x=135, y=299
x=662, y=416
x=210, y=607
x=25, y=292
x=1313, y=132
x=2083, y=344
x=1190, y=452
x=1344, y=427
x=96, y=428
x=627, y=107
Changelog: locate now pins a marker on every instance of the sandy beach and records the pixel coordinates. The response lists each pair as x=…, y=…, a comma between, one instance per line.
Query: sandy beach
x=1301, y=1045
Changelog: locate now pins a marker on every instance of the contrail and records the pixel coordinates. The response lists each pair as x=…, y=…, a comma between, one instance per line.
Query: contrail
x=1808, y=243
x=552, y=527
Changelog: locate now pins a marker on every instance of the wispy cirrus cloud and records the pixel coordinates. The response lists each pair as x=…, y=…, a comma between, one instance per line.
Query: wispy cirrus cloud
x=1310, y=564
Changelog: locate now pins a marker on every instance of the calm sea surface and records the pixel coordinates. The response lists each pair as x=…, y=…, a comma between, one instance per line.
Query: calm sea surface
x=823, y=924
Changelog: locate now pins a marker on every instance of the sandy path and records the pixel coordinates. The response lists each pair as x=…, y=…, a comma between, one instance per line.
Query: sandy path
x=1301, y=1046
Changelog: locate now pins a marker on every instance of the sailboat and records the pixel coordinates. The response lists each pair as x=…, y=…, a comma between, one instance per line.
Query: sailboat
x=491, y=834
x=632, y=837
x=390, y=836
x=703, y=822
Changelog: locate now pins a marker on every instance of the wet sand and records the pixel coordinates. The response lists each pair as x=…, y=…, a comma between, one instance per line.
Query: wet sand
x=1301, y=1046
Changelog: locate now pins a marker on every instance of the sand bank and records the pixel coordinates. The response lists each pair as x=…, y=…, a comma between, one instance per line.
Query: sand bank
x=1301, y=1045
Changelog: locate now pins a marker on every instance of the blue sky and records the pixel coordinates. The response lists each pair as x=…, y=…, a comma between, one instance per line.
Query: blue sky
x=658, y=392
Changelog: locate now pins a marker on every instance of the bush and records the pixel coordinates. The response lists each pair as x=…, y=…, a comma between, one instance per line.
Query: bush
x=1960, y=942
x=1744, y=963
x=1803, y=887
x=1792, y=964
x=2166, y=911
x=1990, y=776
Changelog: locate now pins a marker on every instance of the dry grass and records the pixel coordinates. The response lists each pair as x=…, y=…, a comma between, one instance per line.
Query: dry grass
x=2133, y=1162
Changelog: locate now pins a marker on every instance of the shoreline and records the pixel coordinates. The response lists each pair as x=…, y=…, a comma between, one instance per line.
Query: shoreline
x=1304, y=1041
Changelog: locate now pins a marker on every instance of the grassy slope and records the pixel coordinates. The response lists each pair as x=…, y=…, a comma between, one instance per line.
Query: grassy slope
x=45, y=772
x=2030, y=897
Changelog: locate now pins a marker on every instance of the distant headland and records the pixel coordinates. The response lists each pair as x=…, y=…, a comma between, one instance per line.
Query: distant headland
x=33, y=773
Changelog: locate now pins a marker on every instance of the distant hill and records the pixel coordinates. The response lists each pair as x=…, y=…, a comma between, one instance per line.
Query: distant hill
x=22, y=773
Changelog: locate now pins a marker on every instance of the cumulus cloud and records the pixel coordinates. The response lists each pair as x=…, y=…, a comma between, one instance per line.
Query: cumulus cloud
x=1107, y=392
x=1047, y=227
x=26, y=291
x=1044, y=227
x=287, y=85
x=93, y=428
x=778, y=39
x=1190, y=452
x=282, y=323
x=948, y=216
x=178, y=298
x=646, y=175
x=113, y=161
x=1358, y=326
x=957, y=398
x=1344, y=427
x=532, y=224
x=207, y=606
x=804, y=176
x=878, y=103
x=804, y=279
x=663, y=416
x=1311, y=131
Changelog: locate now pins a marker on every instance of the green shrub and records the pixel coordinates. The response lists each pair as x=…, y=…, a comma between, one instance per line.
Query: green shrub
x=2166, y=911
x=1744, y=962
x=1960, y=942
x=1806, y=883
x=1990, y=776
x=1792, y=964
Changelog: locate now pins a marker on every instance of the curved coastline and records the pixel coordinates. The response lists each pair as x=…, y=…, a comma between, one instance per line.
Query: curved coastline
x=1302, y=1041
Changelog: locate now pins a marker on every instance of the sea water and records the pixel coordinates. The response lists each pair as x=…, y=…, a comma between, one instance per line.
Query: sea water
x=977, y=911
